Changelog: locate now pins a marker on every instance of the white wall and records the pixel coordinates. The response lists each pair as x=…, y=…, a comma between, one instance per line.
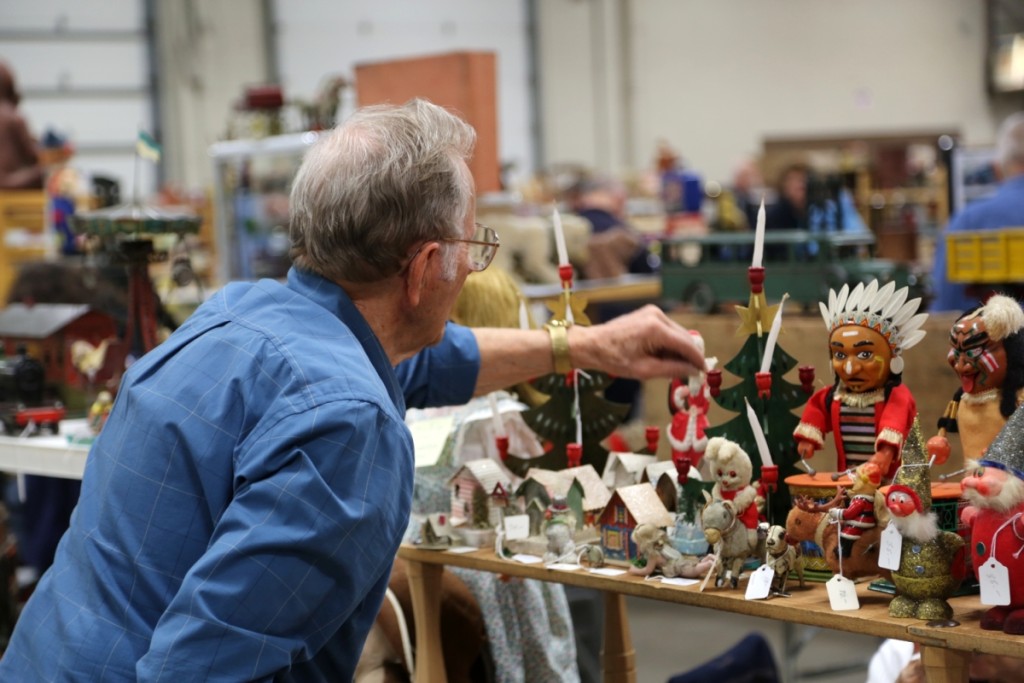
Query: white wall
x=319, y=38
x=715, y=78
x=93, y=91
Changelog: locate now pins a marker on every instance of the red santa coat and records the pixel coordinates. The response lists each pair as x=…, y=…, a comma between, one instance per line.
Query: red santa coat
x=1009, y=541
x=894, y=418
x=858, y=517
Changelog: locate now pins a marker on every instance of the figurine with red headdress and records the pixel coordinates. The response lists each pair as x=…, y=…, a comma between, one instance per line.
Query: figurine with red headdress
x=868, y=410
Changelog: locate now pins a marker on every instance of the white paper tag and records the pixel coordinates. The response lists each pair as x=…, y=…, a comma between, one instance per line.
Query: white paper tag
x=517, y=527
x=678, y=581
x=563, y=567
x=460, y=549
x=526, y=559
x=842, y=594
x=607, y=571
x=994, y=581
x=892, y=547
x=760, y=583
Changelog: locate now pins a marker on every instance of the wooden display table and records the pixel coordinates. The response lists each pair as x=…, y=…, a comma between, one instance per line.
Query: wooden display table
x=945, y=651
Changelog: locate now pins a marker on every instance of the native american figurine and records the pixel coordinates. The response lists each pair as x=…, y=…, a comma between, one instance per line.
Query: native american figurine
x=986, y=351
x=868, y=410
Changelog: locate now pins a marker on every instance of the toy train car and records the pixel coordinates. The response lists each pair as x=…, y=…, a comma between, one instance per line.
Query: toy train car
x=23, y=404
x=707, y=270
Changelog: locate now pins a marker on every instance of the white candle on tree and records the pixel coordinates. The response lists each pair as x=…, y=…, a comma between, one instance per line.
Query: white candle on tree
x=762, y=443
x=773, y=337
x=524, y=316
x=759, y=237
x=563, y=254
x=499, y=426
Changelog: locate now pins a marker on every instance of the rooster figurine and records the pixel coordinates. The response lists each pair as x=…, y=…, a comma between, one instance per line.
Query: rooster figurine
x=89, y=359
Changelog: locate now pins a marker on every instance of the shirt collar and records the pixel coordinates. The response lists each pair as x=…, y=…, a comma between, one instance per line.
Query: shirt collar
x=335, y=299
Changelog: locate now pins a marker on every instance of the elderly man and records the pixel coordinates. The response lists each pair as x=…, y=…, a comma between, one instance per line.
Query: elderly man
x=1005, y=209
x=243, y=504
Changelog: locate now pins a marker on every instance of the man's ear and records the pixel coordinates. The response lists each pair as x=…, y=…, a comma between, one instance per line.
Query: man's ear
x=420, y=270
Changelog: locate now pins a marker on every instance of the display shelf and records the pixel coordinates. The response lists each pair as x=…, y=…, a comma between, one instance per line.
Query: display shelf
x=945, y=651
x=46, y=454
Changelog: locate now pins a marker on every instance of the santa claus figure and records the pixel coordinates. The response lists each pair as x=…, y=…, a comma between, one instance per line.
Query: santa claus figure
x=858, y=516
x=868, y=410
x=994, y=491
x=931, y=564
x=689, y=402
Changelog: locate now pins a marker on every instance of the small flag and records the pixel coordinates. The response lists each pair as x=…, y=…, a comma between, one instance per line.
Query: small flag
x=147, y=148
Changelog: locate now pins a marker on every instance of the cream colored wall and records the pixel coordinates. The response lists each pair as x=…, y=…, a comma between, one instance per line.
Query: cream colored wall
x=715, y=78
x=209, y=51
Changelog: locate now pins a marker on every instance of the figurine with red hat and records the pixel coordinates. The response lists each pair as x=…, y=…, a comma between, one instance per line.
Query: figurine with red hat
x=689, y=402
x=995, y=514
x=858, y=516
x=931, y=564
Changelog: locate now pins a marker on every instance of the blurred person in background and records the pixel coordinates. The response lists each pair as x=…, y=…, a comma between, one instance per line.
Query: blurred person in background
x=20, y=168
x=1004, y=209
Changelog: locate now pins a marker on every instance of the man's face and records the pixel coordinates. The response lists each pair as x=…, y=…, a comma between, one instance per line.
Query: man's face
x=978, y=360
x=442, y=293
x=860, y=358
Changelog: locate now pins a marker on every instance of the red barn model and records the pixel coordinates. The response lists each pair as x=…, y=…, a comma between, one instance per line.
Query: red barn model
x=628, y=507
x=47, y=332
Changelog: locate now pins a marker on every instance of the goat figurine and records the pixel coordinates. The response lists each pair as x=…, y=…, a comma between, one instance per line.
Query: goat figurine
x=782, y=558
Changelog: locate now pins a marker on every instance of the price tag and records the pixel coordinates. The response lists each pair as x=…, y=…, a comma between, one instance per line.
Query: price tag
x=994, y=580
x=526, y=559
x=760, y=583
x=517, y=527
x=842, y=594
x=892, y=547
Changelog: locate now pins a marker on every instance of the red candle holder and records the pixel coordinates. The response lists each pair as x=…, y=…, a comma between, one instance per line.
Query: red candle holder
x=574, y=454
x=755, y=276
x=770, y=477
x=501, y=442
x=682, y=469
x=565, y=274
x=764, y=384
x=714, y=378
x=806, y=373
x=652, y=434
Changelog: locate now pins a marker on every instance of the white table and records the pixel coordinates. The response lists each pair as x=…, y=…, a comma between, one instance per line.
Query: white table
x=46, y=454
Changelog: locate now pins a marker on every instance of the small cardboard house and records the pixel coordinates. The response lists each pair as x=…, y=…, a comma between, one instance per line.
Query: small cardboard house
x=624, y=469
x=584, y=492
x=477, y=482
x=628, y=507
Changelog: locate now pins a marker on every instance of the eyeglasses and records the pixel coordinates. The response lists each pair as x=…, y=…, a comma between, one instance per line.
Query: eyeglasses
x=482, y=247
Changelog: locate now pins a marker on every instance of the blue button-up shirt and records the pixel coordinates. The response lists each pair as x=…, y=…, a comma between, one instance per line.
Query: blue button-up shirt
x=242, y=507
x=1004, y=209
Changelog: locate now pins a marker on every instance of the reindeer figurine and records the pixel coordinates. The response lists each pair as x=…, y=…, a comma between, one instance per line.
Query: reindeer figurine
x=809, y=521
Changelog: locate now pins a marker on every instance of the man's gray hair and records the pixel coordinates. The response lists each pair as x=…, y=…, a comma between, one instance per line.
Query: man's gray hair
x=1011, y=141
x=384, y=182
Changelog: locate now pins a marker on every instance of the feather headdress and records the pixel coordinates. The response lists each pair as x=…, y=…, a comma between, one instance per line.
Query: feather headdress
x=882, y=309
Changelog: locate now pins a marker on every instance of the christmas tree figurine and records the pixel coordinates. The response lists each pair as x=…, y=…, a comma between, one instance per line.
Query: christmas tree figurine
x=575, y=414
x=760, y=366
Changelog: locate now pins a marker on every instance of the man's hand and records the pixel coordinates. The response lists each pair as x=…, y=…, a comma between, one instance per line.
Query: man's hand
x=643, y=344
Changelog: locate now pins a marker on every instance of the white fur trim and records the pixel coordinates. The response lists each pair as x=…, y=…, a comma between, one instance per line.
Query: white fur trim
x=888, y=436
x=1003, y=316
x=810, y=433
